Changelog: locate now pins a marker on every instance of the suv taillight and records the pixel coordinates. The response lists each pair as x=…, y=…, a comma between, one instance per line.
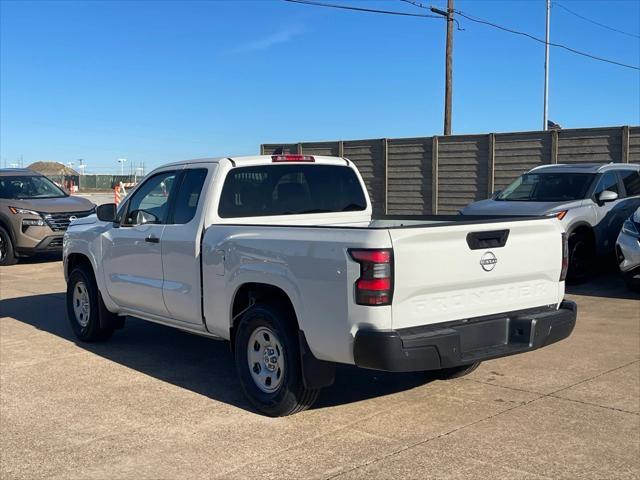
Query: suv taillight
x=565, y=257
x=375, y=285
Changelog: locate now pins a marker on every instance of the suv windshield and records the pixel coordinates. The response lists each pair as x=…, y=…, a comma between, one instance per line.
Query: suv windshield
x=547, y=187
x=29, y=186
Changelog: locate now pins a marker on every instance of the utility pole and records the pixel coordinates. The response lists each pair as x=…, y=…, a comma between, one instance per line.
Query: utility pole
x=546, y=70
x=448, y=81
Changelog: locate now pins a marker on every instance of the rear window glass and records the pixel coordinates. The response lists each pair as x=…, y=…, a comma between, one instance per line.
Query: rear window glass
x=266, y=190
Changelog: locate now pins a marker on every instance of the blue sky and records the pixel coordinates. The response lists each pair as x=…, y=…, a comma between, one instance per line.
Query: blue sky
x=160, y=81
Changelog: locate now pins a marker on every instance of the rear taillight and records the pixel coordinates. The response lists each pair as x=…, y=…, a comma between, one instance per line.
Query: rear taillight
x=565, y=257
x=292, y=158
x=375, y=285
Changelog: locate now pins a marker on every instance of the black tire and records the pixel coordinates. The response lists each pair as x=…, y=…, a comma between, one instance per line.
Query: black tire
x=7, y=254
x=631, y=282
x=290, y=396
x=581, y=258
x=87, y=328
x=456, y=372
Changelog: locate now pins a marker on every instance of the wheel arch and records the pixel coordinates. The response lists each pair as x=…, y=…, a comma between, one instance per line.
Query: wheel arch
x=583, y=228
x=75, y=260
x=6, y=225
x=250, y=293
x=315, y=373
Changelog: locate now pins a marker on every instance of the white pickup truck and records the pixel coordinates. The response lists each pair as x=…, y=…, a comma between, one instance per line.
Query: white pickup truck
x=280, y=255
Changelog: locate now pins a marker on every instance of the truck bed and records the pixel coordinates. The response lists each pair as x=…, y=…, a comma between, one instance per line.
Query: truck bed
x=438, y=270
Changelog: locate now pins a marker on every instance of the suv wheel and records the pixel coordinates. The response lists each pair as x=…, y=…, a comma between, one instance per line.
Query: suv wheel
x=84, y=306
x=581, y=256
x=267, y=359
x=7, y=255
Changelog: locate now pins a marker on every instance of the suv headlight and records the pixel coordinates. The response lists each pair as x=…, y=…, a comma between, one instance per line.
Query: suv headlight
x=630, y=228
x=23, y=211
x=559, y=214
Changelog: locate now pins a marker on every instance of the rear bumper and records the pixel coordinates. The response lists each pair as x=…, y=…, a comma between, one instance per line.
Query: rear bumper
x=463, y=342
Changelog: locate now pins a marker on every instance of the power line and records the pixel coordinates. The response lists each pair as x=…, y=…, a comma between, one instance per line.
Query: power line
x=468, y=17
x=421, y=5
x=415, y=4
x=360, y=9
x=558, y=4
x=558, y=45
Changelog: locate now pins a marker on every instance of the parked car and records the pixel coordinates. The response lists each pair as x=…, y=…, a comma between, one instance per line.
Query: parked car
x=591, y=201
x=34, y=214
x=628, y=250
x=280, y=255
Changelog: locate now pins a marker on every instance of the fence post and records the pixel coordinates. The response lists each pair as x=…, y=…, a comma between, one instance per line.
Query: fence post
x=554, y=146
x=299, y=152
x=434, y=175
x=262, y=149
x=491, y=164
x=625, y=144
x=340, y=148
x=385, y=156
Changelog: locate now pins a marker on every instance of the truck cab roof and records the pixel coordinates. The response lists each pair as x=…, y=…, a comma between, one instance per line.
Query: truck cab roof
x=264, y=159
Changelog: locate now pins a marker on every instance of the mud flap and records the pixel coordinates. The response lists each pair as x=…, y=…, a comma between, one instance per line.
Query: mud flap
x=315, y=373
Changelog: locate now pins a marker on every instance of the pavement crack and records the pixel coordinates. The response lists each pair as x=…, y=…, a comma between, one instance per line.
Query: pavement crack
x=436, y=437
x=551, y=395
x=594, y=377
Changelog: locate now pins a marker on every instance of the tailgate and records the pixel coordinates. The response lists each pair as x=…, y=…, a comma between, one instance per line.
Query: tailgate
x=453, y=272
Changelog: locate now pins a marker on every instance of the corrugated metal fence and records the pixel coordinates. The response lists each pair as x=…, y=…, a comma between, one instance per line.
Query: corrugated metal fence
x=425, y=175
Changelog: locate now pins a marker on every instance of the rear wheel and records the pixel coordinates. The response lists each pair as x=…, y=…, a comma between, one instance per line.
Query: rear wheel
x=267, y=359
x=581, y=257
x=84, y=306
x=457, y=372
x=7, y=254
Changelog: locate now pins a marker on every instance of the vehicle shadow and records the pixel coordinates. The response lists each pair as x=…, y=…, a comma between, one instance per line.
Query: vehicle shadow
x=192, y=362
x=606, y=281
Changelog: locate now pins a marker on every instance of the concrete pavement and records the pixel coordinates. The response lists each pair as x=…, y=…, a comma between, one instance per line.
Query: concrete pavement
x=157, y=403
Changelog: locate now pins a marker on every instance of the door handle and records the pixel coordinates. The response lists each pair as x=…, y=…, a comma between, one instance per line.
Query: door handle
x=152, y=239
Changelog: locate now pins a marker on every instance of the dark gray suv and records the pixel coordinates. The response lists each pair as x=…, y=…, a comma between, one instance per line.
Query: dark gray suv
x=34, y=214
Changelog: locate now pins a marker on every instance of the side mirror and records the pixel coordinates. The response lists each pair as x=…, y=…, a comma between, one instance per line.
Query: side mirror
x=607, y=196
x=106, y=212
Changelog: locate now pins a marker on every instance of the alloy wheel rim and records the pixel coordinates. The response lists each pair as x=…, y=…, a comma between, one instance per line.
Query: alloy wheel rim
x=81, y=304
x=265, y=356
x=3, y=248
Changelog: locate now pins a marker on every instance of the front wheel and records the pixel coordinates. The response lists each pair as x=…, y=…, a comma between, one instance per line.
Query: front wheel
x=267, y=359
x=84, y=307
x=581, y=257
x=7, y=255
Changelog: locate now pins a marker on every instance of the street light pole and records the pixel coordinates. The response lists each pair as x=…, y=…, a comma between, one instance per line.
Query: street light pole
x=546, y=70
x=121, y=162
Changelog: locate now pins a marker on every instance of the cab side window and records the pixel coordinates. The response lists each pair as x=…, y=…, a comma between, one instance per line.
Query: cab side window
x=188, y=195
x=609, y=181
x=149, y=204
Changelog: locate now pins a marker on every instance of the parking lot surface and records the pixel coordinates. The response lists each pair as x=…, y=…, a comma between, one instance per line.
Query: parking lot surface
x=156, y=403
